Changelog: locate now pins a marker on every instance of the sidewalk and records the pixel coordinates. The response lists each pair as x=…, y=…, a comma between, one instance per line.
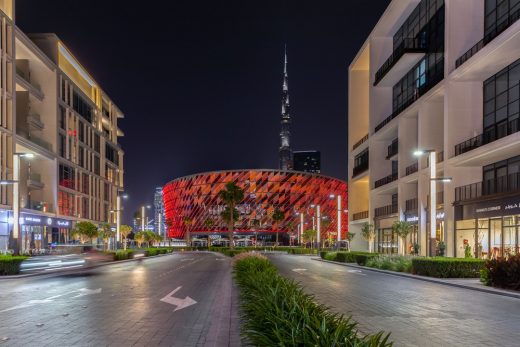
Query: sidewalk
x=466, y=283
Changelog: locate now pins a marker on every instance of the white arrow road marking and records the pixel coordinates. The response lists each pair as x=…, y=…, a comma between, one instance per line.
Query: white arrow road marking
x=81, y=291
x=299, y=270
x=86, y=291
x=180, y=303
x=357, y=272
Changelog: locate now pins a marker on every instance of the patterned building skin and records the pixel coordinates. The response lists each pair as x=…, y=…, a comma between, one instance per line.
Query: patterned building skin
x=192, y=202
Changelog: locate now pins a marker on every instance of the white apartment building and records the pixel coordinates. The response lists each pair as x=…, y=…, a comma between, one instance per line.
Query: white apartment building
x=443, y=76
x=52, y=109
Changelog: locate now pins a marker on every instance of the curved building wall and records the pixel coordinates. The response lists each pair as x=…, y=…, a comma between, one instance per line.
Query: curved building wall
x=192, y=202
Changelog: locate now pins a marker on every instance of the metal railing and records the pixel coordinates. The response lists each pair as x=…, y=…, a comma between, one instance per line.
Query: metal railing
x=360, y=215
x=385, y=180
x=499, y=185
x=360, y=142
x=360, y=169
x=408, y=45
x=385, y=210
x=393, y=149
x=412, y=168
x=513, y=126
x=35, y=139
x=513, y=17
x=39, y=206
x=411, y=204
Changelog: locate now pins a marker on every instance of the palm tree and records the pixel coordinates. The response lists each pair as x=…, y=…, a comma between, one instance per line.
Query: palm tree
x=402, y=229
x=277, y=217
x=188, y=222
x=231, y=195
x=368, y=233
x=125, y=230
x=106, y=233
x=350, y=237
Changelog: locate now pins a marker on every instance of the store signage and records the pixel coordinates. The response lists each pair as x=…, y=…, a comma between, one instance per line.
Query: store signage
x=495, y=208
x=415, y=218
x=29, y=219
x=412, y=219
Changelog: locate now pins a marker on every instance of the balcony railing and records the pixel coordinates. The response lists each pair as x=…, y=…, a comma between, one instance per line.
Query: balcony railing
x=483, y=139
x=39, y=206
x=412, y=168
x=385, y=180
x=34, y=139
x=360, y=215
x=385, y=210
x=360, y=169
x=408, y=45
x=513, y=17
x=393, y=149
x=419, y=92
x=411, y=204
x=499, y=185
x=360, y=142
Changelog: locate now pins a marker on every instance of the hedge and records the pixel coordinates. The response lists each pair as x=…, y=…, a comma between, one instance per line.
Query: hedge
x=123, y=254
x=348, y=257
x=278, y=313
x=502, y=272
x=447, y=267
x=151, y=251
x=10, y=265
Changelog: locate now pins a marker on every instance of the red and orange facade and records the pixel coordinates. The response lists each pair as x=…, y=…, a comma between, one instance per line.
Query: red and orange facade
x=191, y=203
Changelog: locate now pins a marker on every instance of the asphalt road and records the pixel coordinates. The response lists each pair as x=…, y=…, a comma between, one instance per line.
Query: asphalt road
x=417, y=313
x=120, y=305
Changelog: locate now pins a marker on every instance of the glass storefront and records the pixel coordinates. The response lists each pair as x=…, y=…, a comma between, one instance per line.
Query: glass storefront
x=387, y=241
x=487, y=237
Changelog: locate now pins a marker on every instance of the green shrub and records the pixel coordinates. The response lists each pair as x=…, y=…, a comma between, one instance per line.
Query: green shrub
x=503, y=272
x=362, y=258
x=346, y=257
x=331, y=256
x=278, y=313
x=323, y=254
x=391, y=262
x=123, y=254
x=10, y=265
x=447, y=267
x=300, y=250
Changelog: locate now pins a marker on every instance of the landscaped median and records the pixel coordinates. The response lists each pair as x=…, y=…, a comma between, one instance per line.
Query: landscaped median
x=277, y=312
x=231, y=252
x=10, y=265
x=441, y=267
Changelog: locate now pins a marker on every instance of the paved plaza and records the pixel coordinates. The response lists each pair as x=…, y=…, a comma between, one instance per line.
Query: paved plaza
x=418, y=313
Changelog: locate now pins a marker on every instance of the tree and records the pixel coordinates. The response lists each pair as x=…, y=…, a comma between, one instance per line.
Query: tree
x=85, y=231
x=106, y=233
x=125, y=230
x=368, y=233
x=350, y=237
x=231, y=195
x=309, y=235
x=255, y=224
x=402, y=229
x=325, y=223
x=139, y=238
x=277, y=217
x=188, y=222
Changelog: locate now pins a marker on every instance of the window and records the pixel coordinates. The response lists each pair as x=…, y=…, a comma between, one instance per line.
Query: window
x=85, y=208
x=66, y=176
x=499, y=14
x=111, y=154
x=97, y=143
x=97, y=167
x=65, y=203
x=81, y=157
x=62, y=145
x=501, y=103
x=85, y=183
x=82, y=107
x=81, y=131
x=107, y=192
x=62, y=117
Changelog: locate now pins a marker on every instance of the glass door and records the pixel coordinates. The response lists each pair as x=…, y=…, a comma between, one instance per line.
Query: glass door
x=497, y=245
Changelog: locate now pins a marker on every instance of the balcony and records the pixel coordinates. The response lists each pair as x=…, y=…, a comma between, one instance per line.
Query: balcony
x=28, y=84
x=439, y=158
x=412, y=168
x=34, y=120
x=513, y=17
x=483, y=139
x=360, y=169
x=385, y=180
x=408, y=53
x=360, y=215
x=34, y=139
x=41, y=206
x=385, y=211
x=499, y=185
x=393, y=149
x=360, y=142
x=34, y=181
x=412, y=204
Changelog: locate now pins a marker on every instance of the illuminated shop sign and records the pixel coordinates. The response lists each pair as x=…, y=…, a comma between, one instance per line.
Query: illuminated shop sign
x=28, y=219
x=414, y=218
x=494, y=208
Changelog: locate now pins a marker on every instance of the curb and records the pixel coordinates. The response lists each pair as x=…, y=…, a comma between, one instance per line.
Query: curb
x=61, y=272
x=425, y=279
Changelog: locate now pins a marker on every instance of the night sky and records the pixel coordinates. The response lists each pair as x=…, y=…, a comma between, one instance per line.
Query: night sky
x=200, y=82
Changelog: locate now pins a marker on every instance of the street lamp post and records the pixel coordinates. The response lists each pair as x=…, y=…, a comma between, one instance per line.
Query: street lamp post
x=301, y=228
x=433, y=196
x=143, y=216
x=16, y=198
x=117, y=211
x=338, y=205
